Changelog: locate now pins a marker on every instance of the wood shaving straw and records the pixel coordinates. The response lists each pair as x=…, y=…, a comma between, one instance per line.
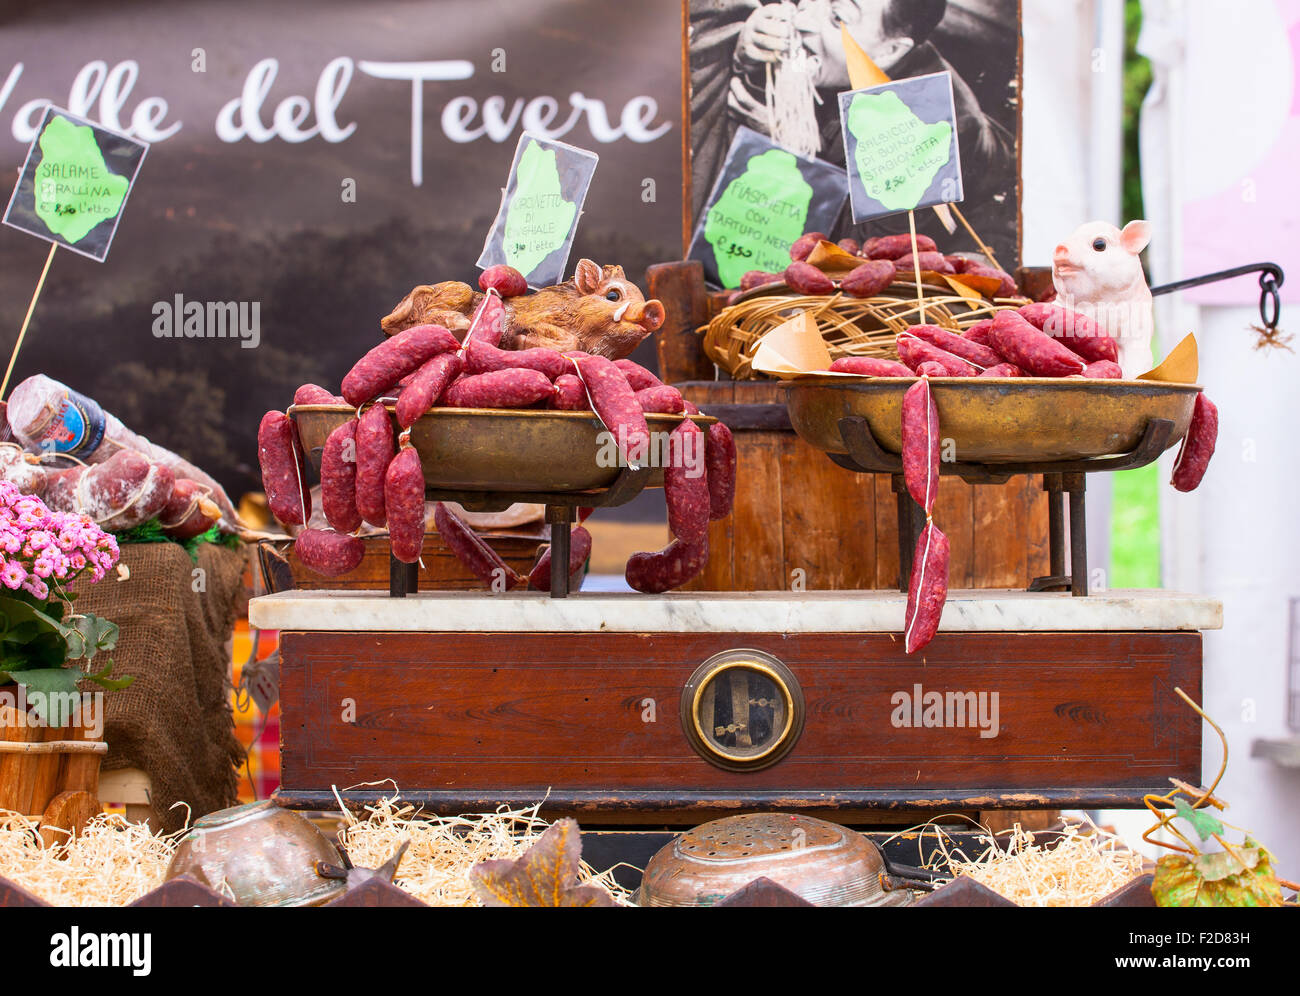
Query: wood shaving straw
x=111, y=863
x=435, y=868
x=1086, y=865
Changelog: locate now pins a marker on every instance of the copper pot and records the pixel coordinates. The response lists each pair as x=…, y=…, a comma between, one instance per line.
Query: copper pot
x=824, y=863
x=260, y=855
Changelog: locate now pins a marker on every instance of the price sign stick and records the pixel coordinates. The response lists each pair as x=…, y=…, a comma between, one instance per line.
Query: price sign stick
x=27, y=320
x=974, y=235
x=916, y=266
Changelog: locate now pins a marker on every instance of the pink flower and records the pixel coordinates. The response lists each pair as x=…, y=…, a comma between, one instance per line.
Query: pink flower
x=13, y=574
x=43, y=567
x=37, y=587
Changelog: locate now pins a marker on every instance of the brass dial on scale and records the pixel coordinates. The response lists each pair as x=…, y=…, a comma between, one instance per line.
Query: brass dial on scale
x=742, y=710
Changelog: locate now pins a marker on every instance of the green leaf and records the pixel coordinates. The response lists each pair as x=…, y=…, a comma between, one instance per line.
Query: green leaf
x=111, y=684
x=99, y=634
x=1202, y=820
x=51, y=692
x=1217, y=879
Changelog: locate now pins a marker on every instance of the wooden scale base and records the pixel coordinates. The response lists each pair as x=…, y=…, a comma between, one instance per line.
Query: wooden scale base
x=675, y=709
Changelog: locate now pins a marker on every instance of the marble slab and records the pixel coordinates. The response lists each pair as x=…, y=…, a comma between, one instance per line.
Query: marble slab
x=986, y=610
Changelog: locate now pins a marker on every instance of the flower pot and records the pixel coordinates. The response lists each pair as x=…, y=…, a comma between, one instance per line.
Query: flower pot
x=48, y=774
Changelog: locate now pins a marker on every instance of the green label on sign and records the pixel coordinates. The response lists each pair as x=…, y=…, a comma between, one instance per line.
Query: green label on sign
x=538, y=218
x=898, y=155
x=75, y=190
x=759, y=214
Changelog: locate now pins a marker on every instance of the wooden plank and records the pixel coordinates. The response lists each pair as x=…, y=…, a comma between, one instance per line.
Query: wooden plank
x=758, y=554
x=1082, y=716
x=829, y=525
x=679, y=287
x=1037, y=554
x=999, y=510
x=953, y=514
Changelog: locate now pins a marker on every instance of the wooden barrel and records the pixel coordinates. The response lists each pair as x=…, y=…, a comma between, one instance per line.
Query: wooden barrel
x=802, y=522
x=49, y=774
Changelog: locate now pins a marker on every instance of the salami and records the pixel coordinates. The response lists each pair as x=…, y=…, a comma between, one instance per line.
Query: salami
x=570, y=395
x=804, y=278
x=921, y=444
x=338, y=478
x=579, y=550
x=513, y=388
x=314, y=394
x=928, y=588
x=914, y=352
x=426, y=386
x=720, y=467
x=979, y=332
x=958, y=345
x=1198, y=445
x=381, y=368
x=1033, y=351
x=669, y=568
x=869, y=279
x=280, y=455
x=189, y=512
x=1078, y=332
x=615, y=403
x=472, y=551
x=374, y=451
x=125, y=490
x=894, y=246
x=686, y=487
x=483, y=358
x=932, y=262
x=663, y=400
x=505, y=280
x=329, y=553
x=1003, y=370
x=870, y=366
x=404, y=505
x=489, y=322
x=1104, y=370
x=638, y=377
x=757, y=278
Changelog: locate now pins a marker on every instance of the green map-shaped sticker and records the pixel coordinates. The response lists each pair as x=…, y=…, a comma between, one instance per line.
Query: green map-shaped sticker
x=75, y=190
x=896, y=153
x=759, y=214
x=538, y=218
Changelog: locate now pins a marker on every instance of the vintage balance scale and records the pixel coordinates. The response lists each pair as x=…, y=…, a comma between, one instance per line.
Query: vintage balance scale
x=629, y=709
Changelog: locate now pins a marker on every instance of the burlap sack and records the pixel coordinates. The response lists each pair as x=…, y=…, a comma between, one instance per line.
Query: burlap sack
x=174, y=721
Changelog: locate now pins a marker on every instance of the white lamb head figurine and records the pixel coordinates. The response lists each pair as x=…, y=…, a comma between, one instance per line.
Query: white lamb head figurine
x=1097, y=272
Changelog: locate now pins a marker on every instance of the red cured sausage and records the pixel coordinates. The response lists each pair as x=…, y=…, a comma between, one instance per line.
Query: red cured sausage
x=489, y=321
x=615, y=402
x=931, y=261
x=1035, y=352
x=894, y=246
x=338, y=478
x=1003, y=370
x=314, y=394
x=1078, y=332
x=927, y=589
x=329, y=553
x=638, y=377
x=189, y=512
x=374, y=447
x=914, y=352
x=870, y=366
x=804, y=278
x=669, y=568
x=979, y=332
x=663, y=399
x=390, y=361
x=579, y=550
x=473, y=552
x=570, y=395
x=482, y=358
x=514, y=388
x=691, y=408
x=280, y=454
x=869, y=279
x=1006, y=287
x=505, y=280
x=921, y=444
x=803, y=246
x=1198, y=445
x=757, y=278
x=1104, y=370
x=720, y=465
x=426, y=386
x=686, y=485
x=404, y=505
x=931, y=369
x=956, y=344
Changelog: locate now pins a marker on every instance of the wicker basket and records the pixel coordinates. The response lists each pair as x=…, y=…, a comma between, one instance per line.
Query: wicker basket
x=851, y=326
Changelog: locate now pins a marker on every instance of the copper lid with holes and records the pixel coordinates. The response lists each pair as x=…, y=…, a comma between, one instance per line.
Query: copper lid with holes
x=824, y=863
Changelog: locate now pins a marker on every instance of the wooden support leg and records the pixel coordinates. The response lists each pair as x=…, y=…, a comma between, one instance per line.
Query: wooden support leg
x=911, y=520
x=403, y=579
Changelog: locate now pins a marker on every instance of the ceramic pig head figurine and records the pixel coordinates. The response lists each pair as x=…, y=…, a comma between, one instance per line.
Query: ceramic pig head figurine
x=1097, y=272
